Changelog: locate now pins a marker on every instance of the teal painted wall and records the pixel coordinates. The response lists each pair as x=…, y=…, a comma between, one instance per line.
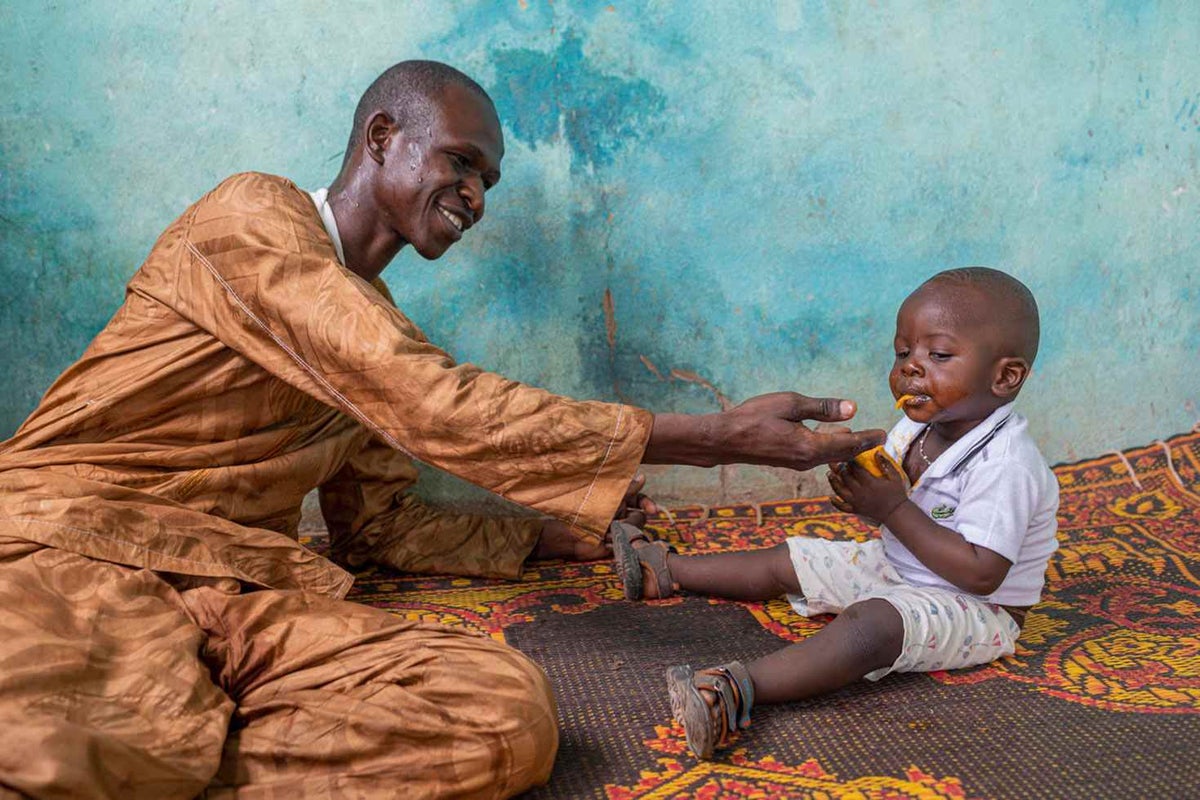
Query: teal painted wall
x=754, y=185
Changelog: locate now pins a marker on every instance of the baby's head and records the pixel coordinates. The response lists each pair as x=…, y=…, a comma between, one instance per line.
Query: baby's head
x=965, y=342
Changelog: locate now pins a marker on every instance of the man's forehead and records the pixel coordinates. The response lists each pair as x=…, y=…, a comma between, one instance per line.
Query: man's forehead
x=464, y=113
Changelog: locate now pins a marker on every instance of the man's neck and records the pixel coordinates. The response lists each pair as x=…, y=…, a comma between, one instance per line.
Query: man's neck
x=369, y=246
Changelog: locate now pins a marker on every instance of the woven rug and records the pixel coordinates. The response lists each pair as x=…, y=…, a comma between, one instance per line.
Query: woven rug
x=1101, y=699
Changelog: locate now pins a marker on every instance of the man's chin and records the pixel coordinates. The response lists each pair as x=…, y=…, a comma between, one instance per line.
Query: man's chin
x=431, y=251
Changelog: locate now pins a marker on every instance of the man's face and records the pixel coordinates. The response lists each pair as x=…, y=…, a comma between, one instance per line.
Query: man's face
x=434, y=174
x=946, y=354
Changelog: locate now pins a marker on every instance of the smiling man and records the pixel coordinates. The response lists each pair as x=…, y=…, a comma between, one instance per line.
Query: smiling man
x=164, y=634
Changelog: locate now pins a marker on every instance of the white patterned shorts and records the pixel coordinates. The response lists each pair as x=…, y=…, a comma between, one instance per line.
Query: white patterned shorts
x=943, y=629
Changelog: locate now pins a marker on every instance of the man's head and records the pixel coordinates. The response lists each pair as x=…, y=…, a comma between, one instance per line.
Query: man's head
x=965, y=342
x=426, y=144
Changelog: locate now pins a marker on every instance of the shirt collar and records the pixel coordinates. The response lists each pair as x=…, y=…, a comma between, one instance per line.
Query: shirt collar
x=321, y=199
x=969, y=445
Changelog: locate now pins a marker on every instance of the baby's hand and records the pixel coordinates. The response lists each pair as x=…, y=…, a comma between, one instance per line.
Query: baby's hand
x=857, y=491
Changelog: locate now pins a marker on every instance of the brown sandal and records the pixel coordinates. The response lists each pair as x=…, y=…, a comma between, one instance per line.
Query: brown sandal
x=709, y=724
x=634, y=562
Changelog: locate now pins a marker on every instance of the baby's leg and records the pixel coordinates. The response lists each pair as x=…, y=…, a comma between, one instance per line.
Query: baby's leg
x=750, y=575
x=865, y=637
x=753, y=575
x=712, y=703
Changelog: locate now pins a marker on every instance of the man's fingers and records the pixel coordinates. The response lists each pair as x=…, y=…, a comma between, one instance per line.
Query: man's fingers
x=646, y=504
x=637, y=518
x=833, y=447
x=824, y=409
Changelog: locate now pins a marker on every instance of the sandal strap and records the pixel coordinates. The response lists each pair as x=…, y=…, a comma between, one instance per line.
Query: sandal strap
x=734, y=689
x=652, y=557
x=745, y=685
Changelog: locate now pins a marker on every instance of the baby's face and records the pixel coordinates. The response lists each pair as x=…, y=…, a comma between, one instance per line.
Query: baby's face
x=946, y=354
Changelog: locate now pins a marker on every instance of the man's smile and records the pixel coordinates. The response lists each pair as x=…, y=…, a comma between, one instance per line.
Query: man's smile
x=459, y=222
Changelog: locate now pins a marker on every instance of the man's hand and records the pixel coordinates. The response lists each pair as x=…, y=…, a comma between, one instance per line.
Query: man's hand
x=856, y=491
x=768, y=429
x=557, y=540
x=635, y=506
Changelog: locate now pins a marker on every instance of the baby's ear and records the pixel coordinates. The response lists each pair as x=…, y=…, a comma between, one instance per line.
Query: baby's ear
x=1010, y=375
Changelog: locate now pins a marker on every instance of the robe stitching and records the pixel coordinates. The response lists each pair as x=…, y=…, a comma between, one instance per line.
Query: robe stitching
x=600, y=469
x=311, y=370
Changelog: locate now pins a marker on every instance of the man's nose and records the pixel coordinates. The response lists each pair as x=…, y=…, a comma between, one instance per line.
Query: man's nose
x=471, y=191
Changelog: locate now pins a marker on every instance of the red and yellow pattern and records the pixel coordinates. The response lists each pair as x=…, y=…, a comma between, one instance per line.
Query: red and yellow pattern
x=1117, y=634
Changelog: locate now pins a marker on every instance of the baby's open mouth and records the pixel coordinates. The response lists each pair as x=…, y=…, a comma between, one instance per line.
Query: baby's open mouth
x=909, y=400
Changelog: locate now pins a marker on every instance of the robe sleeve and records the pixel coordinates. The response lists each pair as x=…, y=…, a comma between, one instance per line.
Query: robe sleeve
x=257, y=271
x=372, y=519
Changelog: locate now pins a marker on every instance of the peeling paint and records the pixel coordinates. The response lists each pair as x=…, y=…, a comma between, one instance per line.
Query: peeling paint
x=754, y=188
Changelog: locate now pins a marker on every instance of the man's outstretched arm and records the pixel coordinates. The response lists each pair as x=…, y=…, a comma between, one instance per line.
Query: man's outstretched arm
x=766, y=430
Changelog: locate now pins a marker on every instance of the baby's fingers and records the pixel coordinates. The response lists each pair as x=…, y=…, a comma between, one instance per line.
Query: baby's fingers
x=887, y=467
x=836, y=481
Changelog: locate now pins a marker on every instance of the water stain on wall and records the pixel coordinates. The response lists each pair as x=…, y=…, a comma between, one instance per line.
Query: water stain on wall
x=543, y=96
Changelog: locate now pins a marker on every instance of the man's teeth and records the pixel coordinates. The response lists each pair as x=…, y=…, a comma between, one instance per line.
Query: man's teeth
x=455, y=221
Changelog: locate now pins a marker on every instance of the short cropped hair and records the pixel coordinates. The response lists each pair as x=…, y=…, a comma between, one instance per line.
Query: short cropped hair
x=405, y=92
x=1013, y=300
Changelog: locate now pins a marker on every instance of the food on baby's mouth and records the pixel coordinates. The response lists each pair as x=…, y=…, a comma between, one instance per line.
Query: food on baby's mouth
x=904, y=398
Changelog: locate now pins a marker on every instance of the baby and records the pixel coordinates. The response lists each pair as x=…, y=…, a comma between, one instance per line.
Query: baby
x=967, y=507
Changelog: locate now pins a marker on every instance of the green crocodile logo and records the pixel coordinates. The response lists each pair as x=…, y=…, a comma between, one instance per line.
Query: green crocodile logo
x=942, y=512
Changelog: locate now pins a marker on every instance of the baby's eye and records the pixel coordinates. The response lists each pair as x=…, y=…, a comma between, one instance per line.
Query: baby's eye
x=901, y=354
x=939, y=356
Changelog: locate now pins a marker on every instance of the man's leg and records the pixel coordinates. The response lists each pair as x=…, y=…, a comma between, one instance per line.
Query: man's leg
x=337, y=699
x=102, y=694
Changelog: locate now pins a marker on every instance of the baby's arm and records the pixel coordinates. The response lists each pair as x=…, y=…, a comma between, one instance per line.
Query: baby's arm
x=884, y=500
x=968, y=566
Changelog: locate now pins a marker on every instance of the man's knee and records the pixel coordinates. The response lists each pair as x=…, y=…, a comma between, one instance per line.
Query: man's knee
x=532, y=732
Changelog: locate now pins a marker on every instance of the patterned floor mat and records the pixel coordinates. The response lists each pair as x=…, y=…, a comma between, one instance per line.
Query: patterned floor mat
x=1102, y=698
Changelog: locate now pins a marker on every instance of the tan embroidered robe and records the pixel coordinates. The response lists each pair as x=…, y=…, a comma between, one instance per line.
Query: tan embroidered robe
x=246, y=367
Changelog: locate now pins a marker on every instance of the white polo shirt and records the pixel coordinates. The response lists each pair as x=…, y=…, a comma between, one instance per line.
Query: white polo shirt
x=994, y=488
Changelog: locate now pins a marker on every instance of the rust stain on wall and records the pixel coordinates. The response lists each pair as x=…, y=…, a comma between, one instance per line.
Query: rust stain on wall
x=691, y=377
x=653, y=369
x=610, y=319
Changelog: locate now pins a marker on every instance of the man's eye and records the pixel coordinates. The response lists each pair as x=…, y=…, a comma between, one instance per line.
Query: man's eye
x=459, y=160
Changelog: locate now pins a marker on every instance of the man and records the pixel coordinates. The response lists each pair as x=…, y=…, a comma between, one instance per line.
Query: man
x=163, y=634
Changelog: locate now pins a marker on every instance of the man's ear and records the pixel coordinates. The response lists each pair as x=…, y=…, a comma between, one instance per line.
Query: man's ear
x=380, y=128
x=1011, y=373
